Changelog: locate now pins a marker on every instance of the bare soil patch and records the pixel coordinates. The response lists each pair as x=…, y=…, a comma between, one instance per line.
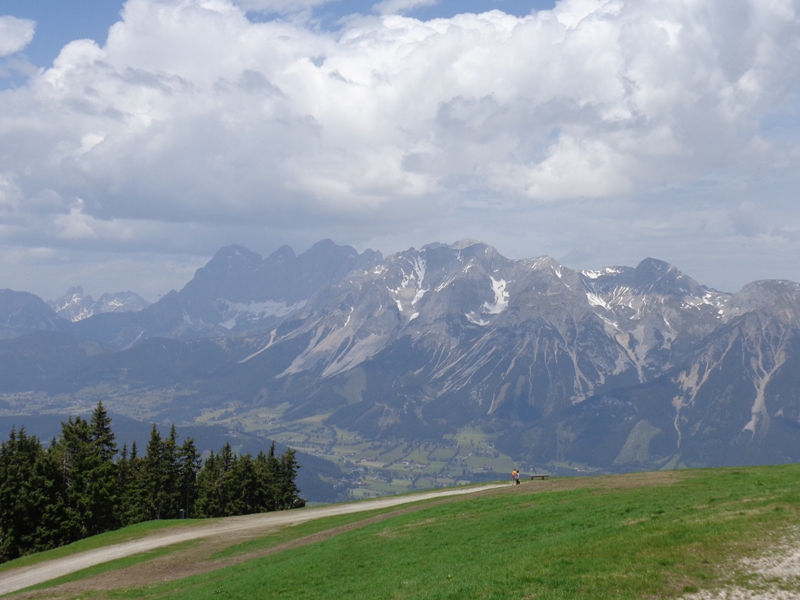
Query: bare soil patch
x=772, y=575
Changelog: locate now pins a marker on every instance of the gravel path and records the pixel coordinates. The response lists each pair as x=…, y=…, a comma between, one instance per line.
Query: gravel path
x=17, y=579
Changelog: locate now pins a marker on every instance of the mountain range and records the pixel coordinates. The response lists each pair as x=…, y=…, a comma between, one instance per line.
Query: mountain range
x=74, y=306
x=614, y=369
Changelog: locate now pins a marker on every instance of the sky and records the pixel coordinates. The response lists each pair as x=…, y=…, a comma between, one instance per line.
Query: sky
x=137, y=138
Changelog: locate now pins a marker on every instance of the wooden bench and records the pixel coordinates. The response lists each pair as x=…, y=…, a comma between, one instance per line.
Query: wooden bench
x=542, y=477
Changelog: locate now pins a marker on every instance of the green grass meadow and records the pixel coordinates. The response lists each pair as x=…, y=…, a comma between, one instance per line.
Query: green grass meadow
x=654, y=535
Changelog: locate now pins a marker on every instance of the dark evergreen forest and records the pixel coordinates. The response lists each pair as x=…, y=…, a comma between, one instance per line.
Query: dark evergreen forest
x=81, y=484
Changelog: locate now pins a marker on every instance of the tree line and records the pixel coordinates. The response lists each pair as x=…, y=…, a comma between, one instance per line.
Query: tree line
x=81, y=485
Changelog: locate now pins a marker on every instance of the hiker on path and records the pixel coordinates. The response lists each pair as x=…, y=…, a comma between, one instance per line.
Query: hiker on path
x=516, y=476
x=513, y=476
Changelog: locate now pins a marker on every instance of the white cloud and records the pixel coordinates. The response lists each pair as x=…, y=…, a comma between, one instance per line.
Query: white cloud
x=192, y=114
x=15, y=34
x=280, y=6
x=392, y=7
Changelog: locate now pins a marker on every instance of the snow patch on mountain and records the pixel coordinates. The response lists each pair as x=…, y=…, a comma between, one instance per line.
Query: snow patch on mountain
x=476, y=321
x=501, y=297
x=74, y=306
x=601, y=272
x=411, y=288
x=234, y=312
x=444, y=284
x=596, y=300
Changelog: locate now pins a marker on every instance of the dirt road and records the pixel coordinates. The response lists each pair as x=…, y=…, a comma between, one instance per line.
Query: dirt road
x=24, y=577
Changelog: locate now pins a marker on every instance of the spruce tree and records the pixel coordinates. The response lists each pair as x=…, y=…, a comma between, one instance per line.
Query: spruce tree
x=288, y=494
x=207, y=505
x=170, y=477
x=105, y=490
x=227, y=488
x=137, y=505
x=264, y=493
x=153, y=477
x=102, y=435
x=189, y=465
x=79, y=463
x=20, y=496
x=52, y=531
x=245, y=478
x=273, y=473
x=74, y=487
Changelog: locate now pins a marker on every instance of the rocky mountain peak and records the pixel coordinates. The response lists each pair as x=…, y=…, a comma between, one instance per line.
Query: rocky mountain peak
x=587, y=366
x=74, y=306
x=119, y=302
x=467, y=243
x=22, y=313
x=779, y=297
x=659, y=277
x=233, y=256
x=282, y=255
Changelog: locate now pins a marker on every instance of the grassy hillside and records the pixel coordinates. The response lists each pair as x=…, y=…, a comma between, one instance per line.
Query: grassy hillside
x=651, y=535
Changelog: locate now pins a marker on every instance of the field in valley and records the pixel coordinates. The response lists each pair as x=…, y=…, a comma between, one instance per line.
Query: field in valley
x=373, y=467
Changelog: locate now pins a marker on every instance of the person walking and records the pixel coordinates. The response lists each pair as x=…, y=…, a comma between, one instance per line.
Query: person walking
x=513, y=476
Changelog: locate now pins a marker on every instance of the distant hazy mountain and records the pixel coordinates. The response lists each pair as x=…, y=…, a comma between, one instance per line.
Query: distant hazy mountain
x=22, y=313
x=29, y=362
x=236, y=291
x=733, y=401
x=616, y=368
x=431, y=340
x=74, y=306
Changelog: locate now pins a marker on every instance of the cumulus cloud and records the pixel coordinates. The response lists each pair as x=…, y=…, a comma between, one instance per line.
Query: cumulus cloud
x=391, y=7
x=193, y=114
x=15, y=34
x=280, y=6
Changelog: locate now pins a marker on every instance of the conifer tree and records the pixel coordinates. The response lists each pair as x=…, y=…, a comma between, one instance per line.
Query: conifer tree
x=53, y=494
x=246, y=480
x=170, y=477
x=273, y=468
x=152, y=476
x=136, y=505
x=77, y=458
x=264, y=492
x=18, y=494
x=75, y=488
x=105, y=491
x=217, y=488
x=102, y=436
x=207, y=504
x=124, y=487
x=189, y=465
x=288, y=494
x=227, y=489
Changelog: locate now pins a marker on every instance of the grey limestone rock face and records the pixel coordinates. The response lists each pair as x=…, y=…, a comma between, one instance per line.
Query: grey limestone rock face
x=23, y=313
x=615, y=368
x=237, y=291
x=75, y=306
